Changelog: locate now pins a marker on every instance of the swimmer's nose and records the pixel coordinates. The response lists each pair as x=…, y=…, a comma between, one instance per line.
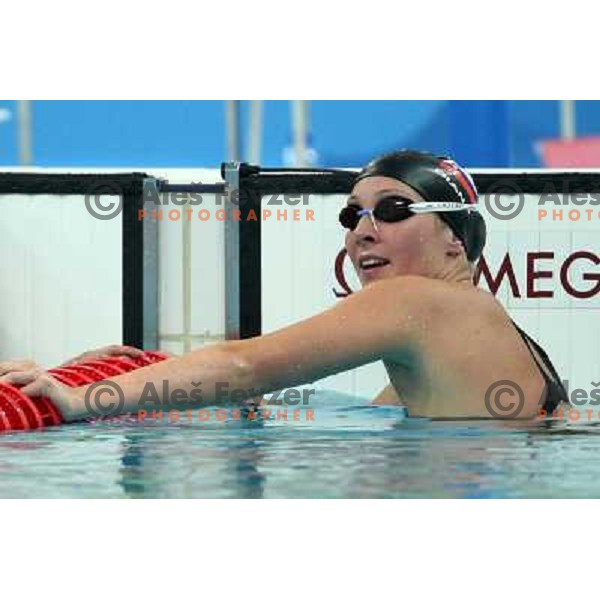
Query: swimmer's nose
x=366, y=230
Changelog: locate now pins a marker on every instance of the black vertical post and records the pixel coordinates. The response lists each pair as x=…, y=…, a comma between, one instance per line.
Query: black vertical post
x=250, y=253
x=133, y=266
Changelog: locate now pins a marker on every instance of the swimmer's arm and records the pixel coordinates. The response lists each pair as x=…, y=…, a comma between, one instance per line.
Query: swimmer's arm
x=370, y=325
x=113, y=350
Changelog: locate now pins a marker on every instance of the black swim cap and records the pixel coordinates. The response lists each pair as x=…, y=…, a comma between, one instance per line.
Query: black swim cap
x=437, y=179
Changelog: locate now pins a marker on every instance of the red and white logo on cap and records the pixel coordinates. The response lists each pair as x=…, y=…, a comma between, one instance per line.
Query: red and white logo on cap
x=464, y=179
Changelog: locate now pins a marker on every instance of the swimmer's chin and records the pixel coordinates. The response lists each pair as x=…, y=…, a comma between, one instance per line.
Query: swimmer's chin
x=371, y=275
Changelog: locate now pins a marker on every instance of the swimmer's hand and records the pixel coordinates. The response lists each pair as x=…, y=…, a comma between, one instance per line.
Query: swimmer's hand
x=12, y=366
x=37, y=382
x=114, y=350
x=105, y=352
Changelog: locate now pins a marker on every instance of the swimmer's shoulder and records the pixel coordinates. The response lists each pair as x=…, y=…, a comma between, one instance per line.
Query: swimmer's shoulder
x=441, y=297
x=437, y=304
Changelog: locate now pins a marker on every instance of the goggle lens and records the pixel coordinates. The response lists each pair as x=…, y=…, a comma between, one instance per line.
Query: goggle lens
x=390, y=209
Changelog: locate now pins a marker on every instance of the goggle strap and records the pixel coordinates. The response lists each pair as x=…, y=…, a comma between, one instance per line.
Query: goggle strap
x=427, y=207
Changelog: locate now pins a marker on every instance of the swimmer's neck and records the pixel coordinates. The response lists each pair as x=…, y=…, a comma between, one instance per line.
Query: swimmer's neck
x=457, y=273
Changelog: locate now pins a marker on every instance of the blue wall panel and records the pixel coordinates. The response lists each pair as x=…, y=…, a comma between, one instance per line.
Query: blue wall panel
x=128, y=133
x=588, y=117
x=348, y=133
x=8, y=133
x=479, y=132
x=531, y=121
x=343, y=133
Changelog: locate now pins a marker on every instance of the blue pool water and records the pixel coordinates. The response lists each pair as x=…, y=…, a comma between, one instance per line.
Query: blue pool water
x=350, y=450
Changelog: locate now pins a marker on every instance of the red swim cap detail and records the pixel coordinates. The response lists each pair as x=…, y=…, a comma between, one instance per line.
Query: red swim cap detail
x=450, y=167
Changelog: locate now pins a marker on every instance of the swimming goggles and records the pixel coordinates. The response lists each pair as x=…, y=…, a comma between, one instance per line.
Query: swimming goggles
x=393, y=209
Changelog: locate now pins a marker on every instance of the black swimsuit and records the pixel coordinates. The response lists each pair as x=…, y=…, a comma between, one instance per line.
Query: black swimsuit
x=555, y=390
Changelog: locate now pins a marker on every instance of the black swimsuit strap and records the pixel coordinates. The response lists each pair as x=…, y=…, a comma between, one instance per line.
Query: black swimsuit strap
x=556, y=390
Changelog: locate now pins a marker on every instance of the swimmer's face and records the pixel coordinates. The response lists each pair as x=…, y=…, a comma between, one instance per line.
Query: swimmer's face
x=379, y=250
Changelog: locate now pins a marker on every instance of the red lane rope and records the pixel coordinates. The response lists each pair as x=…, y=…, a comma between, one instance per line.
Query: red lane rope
x=19, y=412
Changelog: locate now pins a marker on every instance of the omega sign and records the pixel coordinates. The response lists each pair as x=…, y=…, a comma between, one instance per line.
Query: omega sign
x=578, y=275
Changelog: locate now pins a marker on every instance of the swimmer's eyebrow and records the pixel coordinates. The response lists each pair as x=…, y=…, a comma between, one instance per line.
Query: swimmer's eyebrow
x=377, y=194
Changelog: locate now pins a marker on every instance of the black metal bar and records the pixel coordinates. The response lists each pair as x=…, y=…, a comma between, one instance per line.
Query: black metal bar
x=327, y=182
x=332, y=181
x=563, y=182
x=66, y=184
x=191, y=188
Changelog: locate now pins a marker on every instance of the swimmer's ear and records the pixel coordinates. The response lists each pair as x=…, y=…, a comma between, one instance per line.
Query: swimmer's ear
x=455, y=246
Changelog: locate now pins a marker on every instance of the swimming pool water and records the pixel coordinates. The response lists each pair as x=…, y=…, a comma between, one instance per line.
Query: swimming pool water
x=350, y=450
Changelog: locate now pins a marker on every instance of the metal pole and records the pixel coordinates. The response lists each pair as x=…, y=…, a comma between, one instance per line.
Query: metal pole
x=150, y=274
x=186, y=281
x=255, y=136
x=232, y=255
x=232, y=117
x=24, y=135
x=300, y=129
x=567, y=120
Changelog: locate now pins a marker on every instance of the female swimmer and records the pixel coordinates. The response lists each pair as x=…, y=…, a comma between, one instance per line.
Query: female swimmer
x=413, y=236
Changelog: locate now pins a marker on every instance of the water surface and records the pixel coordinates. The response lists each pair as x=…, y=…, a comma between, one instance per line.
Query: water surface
x=349, y=450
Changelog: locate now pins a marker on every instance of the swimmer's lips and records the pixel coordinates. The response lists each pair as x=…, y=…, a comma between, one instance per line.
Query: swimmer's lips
x=368, y=262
